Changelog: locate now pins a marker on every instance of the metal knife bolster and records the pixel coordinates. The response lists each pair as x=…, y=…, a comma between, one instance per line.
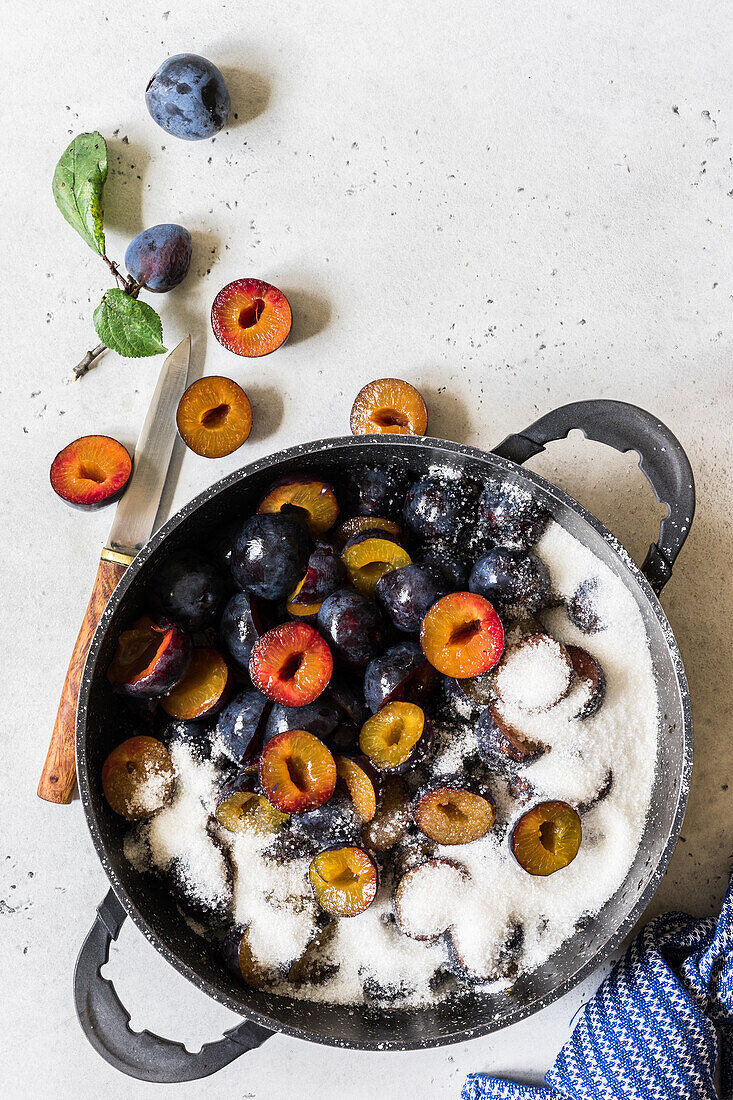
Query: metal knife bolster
x=135, y=515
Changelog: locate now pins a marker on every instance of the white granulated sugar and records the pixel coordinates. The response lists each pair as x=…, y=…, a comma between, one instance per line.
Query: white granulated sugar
x=181, y=832
x=533, y=674
x=273, y=901
x=429, y=898
x=498, y=908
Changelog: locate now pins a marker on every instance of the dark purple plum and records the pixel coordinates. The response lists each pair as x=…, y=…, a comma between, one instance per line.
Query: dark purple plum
x=241, y=724
x=510, y=516
x=401, y=674
x=334, y=823
x=270, y=555
x=238, y=630
x=500, y=745
x=223, y=544
x=195, y=736
x=353, y=625
x=159, y=257
x=187, y=96
x=189, y=589
x=407, y=594
x=513, y=581
x=373, y=491
x=584, y=610
x=349, y=695
x=320, y=718
x=290, y=844
x=450, y=564
x=434, y=508
x=324, y=574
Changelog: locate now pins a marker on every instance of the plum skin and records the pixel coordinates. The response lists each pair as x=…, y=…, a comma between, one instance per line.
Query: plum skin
x=189, y=590
x=238, y=630
x=188, y=98
x=353, y=626
x=270, y=555
x=509, y=578
x=159, y=257
x=407, y=594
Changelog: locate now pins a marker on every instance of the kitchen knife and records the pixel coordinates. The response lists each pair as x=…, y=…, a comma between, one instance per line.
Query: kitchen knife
x=131, y=528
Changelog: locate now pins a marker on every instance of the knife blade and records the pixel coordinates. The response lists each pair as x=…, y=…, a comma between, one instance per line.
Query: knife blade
x=132, y=526
x=136, y=512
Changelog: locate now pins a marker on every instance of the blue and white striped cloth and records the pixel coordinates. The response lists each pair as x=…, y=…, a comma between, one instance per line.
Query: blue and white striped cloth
x=657, y=1026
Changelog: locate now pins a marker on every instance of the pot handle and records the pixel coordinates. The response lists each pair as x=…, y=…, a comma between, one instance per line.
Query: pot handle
x=106, y=1022
x=661, y=458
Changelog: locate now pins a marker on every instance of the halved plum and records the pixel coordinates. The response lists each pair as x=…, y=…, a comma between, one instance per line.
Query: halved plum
x=392, y=818
x=344, y=881
x=204, y=688
x=304, y=497
x=369, y=555
x=501, y=744
x=92, y=471
x=547, y=838
x=150, y=658
x=589, y=674
x=251, y=317
x=240, y=807
x=214, y=416
x=534, y=674
x=389, y=405
x=240, y=726
x=427, y=896
x=357, y=524
x=390, y=738
x=355, y=778
x=297, y=772
x=138, y=778
x=453, y=815
x=312, y=967
x=462, y=635
x=324, y=574
x=239, y=958
x=291, y=664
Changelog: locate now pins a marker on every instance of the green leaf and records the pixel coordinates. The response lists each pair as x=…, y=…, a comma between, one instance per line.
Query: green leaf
x=127, y=326
x=77, y=187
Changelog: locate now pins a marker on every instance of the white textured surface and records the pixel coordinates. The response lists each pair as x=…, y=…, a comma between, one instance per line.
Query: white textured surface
x=513, y=205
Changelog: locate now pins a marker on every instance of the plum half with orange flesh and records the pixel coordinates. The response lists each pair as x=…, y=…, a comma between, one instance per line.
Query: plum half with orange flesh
x=303, y=497
x=462, y=635
x=291, y=664
x=214, y=416
x=392, y=737
x=297, y=772
x=388, y=405
x=453, y=815
x=241, y=808
x=369, y=555
x=355, y=778
x=203, y=690
x=547, y=838
x=150, y=658
x=92, y=471
x=251, y=317
x=344, y=881
x=138, y=778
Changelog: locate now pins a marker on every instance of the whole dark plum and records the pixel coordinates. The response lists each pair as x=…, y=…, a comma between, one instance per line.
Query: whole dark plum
x=239, y=726
x=187, y=96
x=450, y=564
x=189, y=589
x=195, y=736
x=336, y=822
x=320, y=718
x=238, y=630
x=353, y=626
x=402, y=673
x=434, y=508
x=407, y=594
x=585, y=607
x=510, y=516
x=270, y=555
x=324, y=574
x=511, y=580
x=373, y=491
x=159, y=257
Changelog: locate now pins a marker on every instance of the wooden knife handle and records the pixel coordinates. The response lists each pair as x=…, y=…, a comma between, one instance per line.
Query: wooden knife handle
x=59, y=771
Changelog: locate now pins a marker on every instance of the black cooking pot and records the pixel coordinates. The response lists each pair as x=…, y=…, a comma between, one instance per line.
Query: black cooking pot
x=101, y=725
